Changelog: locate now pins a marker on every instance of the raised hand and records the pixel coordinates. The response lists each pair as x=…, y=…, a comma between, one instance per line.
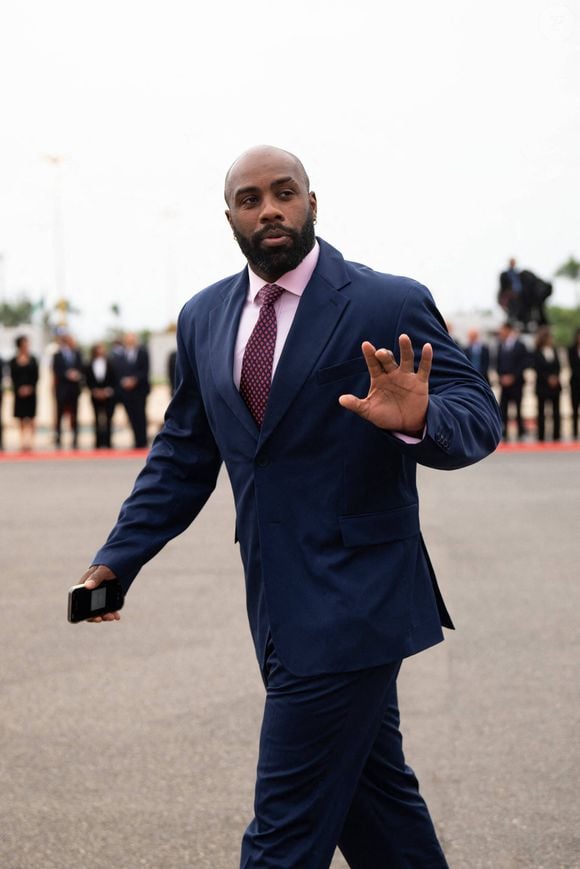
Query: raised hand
x=398, y=396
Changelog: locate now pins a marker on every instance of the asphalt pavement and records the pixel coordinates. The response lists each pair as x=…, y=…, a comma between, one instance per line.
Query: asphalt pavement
x=133, y=744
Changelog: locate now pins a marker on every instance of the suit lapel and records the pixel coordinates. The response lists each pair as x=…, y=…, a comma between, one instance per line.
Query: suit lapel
x=319, y=312
x=223, y=326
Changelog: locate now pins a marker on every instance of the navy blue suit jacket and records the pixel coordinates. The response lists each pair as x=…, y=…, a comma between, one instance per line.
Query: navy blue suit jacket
x=67, y=390
x=326, y=503
x=479, y=361
x=139, y=368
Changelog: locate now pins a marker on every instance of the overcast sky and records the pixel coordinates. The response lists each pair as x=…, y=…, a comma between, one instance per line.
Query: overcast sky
x=440, y=138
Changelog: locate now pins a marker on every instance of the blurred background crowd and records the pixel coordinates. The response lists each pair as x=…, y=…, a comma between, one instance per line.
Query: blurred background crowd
x=84, y=395
x=56, y=394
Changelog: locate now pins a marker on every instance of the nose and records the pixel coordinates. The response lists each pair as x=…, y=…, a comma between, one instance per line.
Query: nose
x=271, y=211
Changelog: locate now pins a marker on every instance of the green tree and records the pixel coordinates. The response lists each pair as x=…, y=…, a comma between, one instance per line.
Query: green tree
x=17, y=313
x=563, y=322
x=571, y=270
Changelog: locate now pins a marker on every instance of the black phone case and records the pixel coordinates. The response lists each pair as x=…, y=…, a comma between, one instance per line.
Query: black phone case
x=79, y=601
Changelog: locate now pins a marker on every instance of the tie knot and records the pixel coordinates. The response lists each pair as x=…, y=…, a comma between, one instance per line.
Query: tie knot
x=270, y=293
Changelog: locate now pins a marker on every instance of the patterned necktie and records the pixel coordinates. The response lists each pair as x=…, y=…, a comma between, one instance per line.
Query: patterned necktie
x=259, y=355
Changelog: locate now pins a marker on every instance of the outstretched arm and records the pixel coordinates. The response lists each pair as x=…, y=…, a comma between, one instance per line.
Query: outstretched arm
x=178, y=478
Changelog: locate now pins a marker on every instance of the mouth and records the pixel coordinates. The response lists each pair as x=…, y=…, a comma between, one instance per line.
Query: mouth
x=275, y=238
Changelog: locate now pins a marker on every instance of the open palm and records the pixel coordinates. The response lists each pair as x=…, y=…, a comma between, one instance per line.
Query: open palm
x=398, y=395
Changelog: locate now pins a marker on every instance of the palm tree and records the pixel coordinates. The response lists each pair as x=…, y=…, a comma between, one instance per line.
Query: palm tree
x=571, y=270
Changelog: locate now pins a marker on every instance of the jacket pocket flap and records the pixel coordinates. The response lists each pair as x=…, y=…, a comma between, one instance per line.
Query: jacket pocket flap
x=380, y=527
x=343, y=369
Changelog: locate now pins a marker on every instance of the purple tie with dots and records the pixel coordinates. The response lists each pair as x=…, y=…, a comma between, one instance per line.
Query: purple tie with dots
x=258, y=358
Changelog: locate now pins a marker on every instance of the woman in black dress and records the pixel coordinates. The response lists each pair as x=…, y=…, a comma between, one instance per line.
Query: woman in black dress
x=24, y=374
x=574, y=360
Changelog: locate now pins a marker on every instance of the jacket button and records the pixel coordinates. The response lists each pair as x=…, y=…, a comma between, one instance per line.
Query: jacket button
x=262, y=461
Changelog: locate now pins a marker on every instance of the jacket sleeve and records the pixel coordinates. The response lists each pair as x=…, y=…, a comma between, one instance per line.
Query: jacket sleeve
x=463, y=418
x=178, y=478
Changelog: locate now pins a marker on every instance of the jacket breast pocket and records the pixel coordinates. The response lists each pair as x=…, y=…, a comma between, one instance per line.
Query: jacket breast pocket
x=343, y=369
x=385, y=527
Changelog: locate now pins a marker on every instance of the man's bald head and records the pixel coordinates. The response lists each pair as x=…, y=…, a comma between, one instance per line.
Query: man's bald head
x=262, y=155
x=271, y=210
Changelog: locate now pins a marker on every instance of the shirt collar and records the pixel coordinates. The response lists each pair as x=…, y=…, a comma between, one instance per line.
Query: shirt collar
x=294, y=281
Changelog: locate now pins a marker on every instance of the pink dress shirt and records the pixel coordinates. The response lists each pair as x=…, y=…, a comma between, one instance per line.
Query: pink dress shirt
x=294, y=283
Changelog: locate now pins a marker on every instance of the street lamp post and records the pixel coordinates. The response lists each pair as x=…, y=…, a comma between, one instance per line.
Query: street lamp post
x=56, y=161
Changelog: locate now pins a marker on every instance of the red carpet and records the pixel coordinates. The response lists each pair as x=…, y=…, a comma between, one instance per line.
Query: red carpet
x=103, y=455
x=546, y=447
x=72, y=455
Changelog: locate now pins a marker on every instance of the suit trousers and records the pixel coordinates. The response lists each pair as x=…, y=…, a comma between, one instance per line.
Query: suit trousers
x=67, y=406
x=507, y=397
x=331, y=772
x=103, y=411
x=554, y=400
x=135, y=407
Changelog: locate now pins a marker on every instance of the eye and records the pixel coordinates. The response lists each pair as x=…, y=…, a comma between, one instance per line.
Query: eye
x=249, y=201
x=286, y=194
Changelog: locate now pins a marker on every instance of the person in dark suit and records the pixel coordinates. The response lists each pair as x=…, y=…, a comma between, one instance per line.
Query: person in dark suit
x=67, y=366
x=548, y=387
x=131, y=368
x=321, y=384
x=478, y=353
x=100, y=380
x=512, y=360
x=510, y=290
x=574, y=362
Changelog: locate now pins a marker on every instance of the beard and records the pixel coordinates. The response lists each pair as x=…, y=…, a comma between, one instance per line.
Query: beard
x=274, y=263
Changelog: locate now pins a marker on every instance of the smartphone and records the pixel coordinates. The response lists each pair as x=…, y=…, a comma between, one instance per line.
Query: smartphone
x=88, y=603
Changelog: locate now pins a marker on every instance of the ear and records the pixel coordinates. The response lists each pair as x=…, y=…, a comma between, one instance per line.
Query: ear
x=228, y=216
x=313, y=202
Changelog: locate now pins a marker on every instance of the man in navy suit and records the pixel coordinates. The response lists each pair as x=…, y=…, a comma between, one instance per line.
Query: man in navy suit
x=478, y=353
x=131, y=369
x=67, y=366
x=512, y=360
x=339, y=584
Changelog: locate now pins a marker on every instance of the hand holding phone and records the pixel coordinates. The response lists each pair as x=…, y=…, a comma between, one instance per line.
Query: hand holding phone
x=98, y=598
